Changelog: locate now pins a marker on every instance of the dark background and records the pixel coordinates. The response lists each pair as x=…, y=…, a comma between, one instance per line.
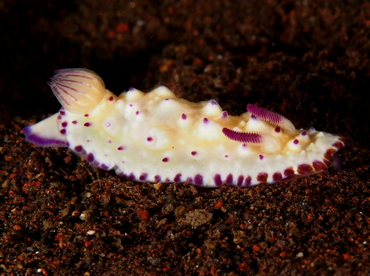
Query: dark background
x=308, y=60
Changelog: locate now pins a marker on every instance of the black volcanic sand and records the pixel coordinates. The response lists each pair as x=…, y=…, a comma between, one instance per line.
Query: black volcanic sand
x=308, y=60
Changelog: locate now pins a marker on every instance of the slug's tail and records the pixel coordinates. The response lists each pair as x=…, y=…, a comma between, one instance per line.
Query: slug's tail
x=78, y=90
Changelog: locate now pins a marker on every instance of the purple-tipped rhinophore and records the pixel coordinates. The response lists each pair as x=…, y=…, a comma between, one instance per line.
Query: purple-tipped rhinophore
x=265, y=115
x=271, y=117
x=243, y=137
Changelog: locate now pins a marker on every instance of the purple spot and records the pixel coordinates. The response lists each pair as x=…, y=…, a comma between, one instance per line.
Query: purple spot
x=74, y=122
x=166, y=99
x=121, y=148
x=177, y=178
x=296, y=142
x=183, y=116
x=213, y=102
x=104, y=166
x=217, y=179
x=244, y=145
x=88, y=140
x=240, y=180
x=137, y=112
x=90, y=157
x=248, y=181
x=87, y=124
x=78, y=148
x=304, y=133
x=64, y=124
x=224, y=114
x=109, y=141
x=226, y=156
x=59, y=117
x=86, y=115
x=157, y=178
x=131, y=176
x=62, y=112
x=63, y=131
x=111, y=98
x=262, y=177
x=253, y=117
x=149, y=139
x=261, y=157
x=194, y=153
x=229, y=179
x=277, y=177
x=205, y=120
x=166, y=159
x=312, y=128
x=198, y=179
x=143, y=176
x=277, y=129
x=130, y=105
x=108, y=124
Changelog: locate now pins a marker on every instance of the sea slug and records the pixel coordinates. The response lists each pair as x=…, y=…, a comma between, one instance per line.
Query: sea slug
x=158, y=137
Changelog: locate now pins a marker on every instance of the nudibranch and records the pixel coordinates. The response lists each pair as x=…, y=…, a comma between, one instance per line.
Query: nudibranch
x=158, y=137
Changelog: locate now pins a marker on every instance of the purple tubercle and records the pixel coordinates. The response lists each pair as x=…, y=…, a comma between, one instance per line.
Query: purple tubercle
x=240, y=181
x=104, y=166
x=87, y=124
x=90, y=157
x=143, y=176
x=149, y=139
x=137, y=112
x=121, y=148
x=226, y=156
x=262, y=177
x=157, y=178
x=265, y=115
x=74, y=122
x=304, y=133
x=166, y=159
x=86, y=115
x=248, y=181
x=183, y=116
x=63, y=131
x=261, y=157
x=111, y=98
x=229, y=179
x=243, y=137
x=78, y=148
x=277, y=129
x=295, y=141
x=64, y=124
x=213, y=102
x=177, y=178
x=198, y=179
x=205, y=120
x=62, y=112
x=217, y=179
x=224, y=114
x=194, y=153
x=277, y=177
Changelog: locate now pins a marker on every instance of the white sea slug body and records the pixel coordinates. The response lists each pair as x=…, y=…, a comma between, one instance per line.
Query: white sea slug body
x=158, y=137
